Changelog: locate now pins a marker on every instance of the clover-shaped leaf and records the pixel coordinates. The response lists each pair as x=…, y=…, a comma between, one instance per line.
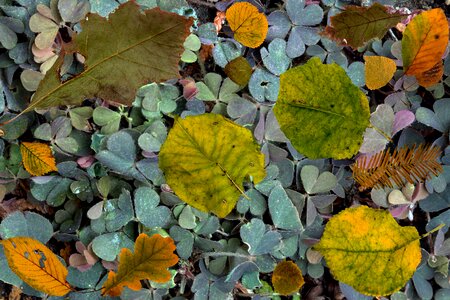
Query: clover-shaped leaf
x=275, y=58
x=225, y=51
x=439, y=119
x=264, y=86
x=282, y=210
x=315, y=183
x=108, y=119
x=258, y=238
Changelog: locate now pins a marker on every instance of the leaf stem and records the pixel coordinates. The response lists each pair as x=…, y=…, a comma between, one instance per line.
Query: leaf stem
x=231, y=254
x=433, y=230
x=381, y=132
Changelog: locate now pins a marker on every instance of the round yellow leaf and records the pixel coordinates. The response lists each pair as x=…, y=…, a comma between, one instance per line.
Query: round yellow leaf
x=367, y=249
x=287, y=278
x=379, y=70
x=250, y=27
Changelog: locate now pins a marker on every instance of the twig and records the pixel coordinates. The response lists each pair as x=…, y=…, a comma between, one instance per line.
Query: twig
x=199, y=2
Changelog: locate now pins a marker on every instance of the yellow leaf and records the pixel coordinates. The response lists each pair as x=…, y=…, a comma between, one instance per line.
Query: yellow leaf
x=250, y=27
x=37, y=158
x=150, y=260
x=424, y=41
x=379, y=70
x=287, y=278
x=366, y=249
x=36, y=265
x=431, y=76
x=206, y=159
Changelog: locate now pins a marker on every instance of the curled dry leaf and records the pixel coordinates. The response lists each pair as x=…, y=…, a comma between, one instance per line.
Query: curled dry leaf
x=36, y=265
x=250, y=27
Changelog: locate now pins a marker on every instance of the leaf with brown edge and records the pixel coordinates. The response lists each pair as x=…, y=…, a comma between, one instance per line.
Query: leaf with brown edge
x=122, y=53
x=37, y=158
x=250, y=27
x=431, y=76
x=424, y=41
x=287, y=278
x=357, y=25
x=150, y=260
x=36, y=265
x=404, y=165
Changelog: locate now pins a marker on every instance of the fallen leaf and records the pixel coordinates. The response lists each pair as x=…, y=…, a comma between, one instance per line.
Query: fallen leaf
x=379, y=70
x=250, y=27
x=206, y=159
x=150, y=260
x=287, y=278
x=424, y=41
x=37, y=158
x=36, y=265
x=357, y=25
x=322, y=120
x=114, y=66
x=366, y=249
x=431, y=76
x=9, y=206
x=239, y=70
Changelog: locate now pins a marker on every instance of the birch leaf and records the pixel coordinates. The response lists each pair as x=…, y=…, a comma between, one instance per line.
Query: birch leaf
x=36, y=265
x=366, y=249
x=37, y=158
x=207, y=158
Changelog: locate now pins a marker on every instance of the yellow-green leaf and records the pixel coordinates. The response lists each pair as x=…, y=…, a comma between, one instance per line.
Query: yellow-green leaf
x=36, y=265
x=122, y=53
x=424, y=41
x=379, y=70
x=150, y=260
x=207, y=158
x=321, y=111
x=37, y=158
x=287, y=278
x=366, y=249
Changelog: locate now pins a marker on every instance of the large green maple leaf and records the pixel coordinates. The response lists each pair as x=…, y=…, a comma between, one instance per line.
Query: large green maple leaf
x=122, y=53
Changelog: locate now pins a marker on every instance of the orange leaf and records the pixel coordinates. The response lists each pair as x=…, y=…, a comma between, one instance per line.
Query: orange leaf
x=424, y=41
x=287, y=278
x=37, y=158
x=36, y=265
x=432, y=76
x=379, y=70
x=250, y=27
x=152, y=256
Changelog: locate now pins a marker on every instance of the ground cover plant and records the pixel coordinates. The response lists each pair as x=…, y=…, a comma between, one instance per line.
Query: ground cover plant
x=236, y=149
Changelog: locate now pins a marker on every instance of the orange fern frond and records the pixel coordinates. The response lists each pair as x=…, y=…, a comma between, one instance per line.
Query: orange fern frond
x=405, y=165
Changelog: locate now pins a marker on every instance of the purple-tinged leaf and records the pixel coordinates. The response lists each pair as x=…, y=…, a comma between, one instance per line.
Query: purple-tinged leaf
x=402, y=119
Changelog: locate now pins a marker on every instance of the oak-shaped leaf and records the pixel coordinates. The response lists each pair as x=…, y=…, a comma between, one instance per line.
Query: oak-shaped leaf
x=207, y=158
x=122, y=53
x=248, y=24
x=321, y=120
x=424, y=41
x=287, y=278
x=37, y=158
x=150, y=260
x=367, y=249
x=36, y=265
x=357, y=25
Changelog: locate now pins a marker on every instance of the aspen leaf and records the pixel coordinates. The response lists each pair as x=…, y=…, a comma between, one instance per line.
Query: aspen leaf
x=287, y=278
x=239, y=70
x=250, y=27
x=424, y=41
x=36, y=265
x=150, y=260
x=206, y=159
x=37, y=158
x=379, y=70
x=357, y=25
x=366, y=249
x=119, y=58
x=321, y=111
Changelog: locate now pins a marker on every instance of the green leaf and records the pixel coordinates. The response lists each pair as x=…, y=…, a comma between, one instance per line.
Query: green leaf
x=258, y=238
x=313, y=183
x=366, y=249
x=283, y=212
x=207, y=158
x=108, y=119
x=357, y=25
x=114, y=67
x=322, y=120
x=148, y=212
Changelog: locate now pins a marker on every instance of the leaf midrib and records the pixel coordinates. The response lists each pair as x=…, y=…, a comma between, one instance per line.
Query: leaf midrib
x=308, y=107
x=391, y=250
x=89, y=69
